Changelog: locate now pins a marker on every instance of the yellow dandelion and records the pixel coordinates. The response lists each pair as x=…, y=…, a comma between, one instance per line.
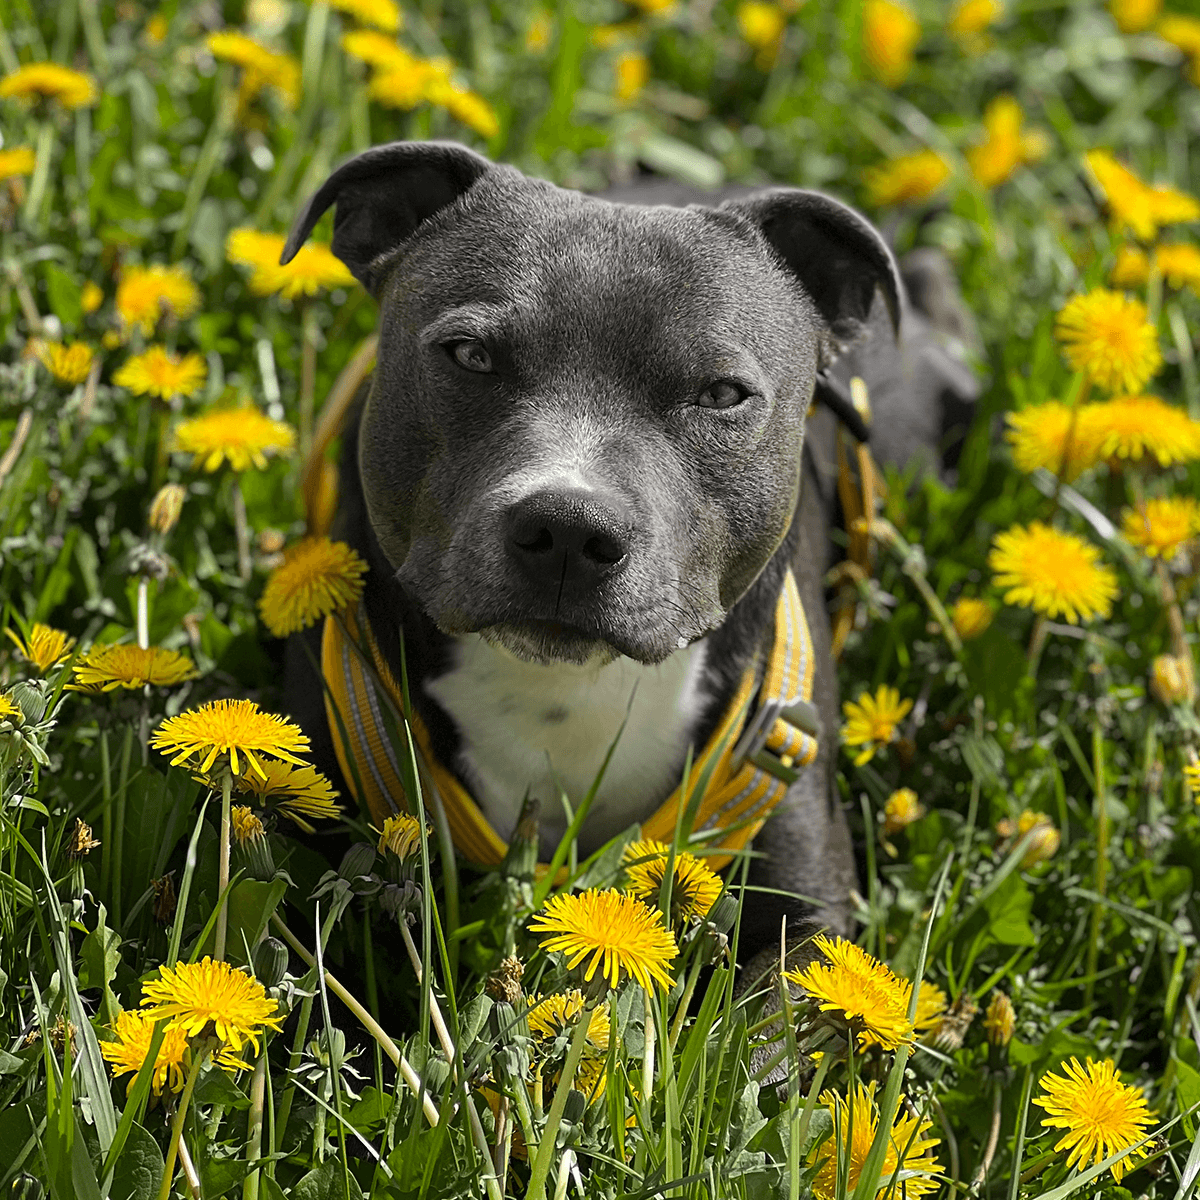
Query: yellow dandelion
x=538, y=33
x=552, y=1018
x=907, y=179
x=868, y=996
x=1042, y=846
x=1191, y=774
x=1055, y=437
x=219, y=732
x=1000, y=1020
x=620, y=934
x=464, y=105
x=262, y=67
x=909, y=1166
x=158, y=372
x=1106, y=335
x=376, y=49
x=694, y=886
x=68, y=364
x=10, y=710
x=406, y=84
x=931, y=1005
x=1054, y=573
x=1184, y=32
x=971, y=617
x=105, y=668
x=156, y=30
x=246, y=824
x=1179, y=264
x=871, y=721
x=196, y=996
x=243, y=437
x=1172, y=679
x=1133, y=426
x=1134, y=204
x=631, y=72
x=20, y=160
x=49, y=81
x=1100, y=1114
x=900, y=810
x=969, y=18
x=890, y=35
x=91, y=297
x=133, y=1032
x=1131, y=268
x=297, y=792
x=651, y=7
x=1132, y=16
x=316, y=578
x=400, y=836
x=379, y=14
x=1006, y=144
x=313, y=268
x=762, y=26
x=146, y=294
x=44, y=648
x=1161, y=525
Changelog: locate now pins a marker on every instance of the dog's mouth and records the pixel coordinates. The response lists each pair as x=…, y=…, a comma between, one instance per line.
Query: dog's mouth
x=546, y=642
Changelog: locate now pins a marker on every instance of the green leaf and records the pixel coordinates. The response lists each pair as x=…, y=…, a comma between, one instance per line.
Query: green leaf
x=251, y=903
x=331, y=1181
x=1187, y=1092
x=99, y=958
x=65, y=296
x=216, y=1087
x=138, y=1171
x=1008, y=909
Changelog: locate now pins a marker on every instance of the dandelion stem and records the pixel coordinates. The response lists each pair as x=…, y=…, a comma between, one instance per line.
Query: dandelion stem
x=308, y=377
x=1101, y=809
x=242, y=528
x=989, y=1152
x=648, y=1031
x=1037, y=642
x=41, y=175
x=177, y=1125
x=545, y=1150
x=254, y=1126
x=685, y=1002
x=289, y=1091
x=189, y=1170
x=223, y=866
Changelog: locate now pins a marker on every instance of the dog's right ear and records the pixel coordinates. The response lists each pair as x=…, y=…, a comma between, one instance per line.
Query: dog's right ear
x=382, y=195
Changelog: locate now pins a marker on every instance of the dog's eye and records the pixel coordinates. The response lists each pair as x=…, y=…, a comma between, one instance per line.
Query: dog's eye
x=722, y=394
x=473, y=355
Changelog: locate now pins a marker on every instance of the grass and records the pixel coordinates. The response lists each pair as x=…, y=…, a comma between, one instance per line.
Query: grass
x=385, y=1086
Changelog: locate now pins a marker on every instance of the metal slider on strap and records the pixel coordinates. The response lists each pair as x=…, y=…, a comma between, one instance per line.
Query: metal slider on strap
x=752, y=745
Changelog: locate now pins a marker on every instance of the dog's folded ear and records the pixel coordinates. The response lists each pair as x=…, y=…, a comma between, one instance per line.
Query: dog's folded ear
x=836, y=254
x=382, y=195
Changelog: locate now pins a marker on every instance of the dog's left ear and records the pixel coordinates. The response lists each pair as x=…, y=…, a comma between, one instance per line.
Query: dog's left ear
x=835, y=253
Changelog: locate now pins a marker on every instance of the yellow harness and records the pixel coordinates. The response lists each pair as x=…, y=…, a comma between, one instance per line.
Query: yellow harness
x=750, y=758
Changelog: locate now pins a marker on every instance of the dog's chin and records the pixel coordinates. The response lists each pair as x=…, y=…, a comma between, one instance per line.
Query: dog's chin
x=546, y=643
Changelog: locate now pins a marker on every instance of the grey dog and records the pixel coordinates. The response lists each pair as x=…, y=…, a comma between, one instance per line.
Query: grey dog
x=579, y=477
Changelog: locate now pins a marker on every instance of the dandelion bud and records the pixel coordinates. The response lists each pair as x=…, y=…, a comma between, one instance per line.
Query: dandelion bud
x=1000, y=1020
x=504, y=983
x=1045, y=843
x=270, y=962
x=1172, y=680
x=971, y=617
x=247, y=827
x=723, y=913
x=401, y=837
x=901, y=810
x=358, y=860
x=522, y=855
x=166, y=507
x=81, y=843
x=401, y=900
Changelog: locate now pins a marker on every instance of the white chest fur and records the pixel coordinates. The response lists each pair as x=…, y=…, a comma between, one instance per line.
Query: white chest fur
x=530, y=728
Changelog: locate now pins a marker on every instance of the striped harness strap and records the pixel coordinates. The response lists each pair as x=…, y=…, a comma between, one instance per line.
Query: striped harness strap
x=749, y=762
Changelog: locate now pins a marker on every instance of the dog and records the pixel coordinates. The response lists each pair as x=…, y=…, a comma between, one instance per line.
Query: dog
x=579, y=478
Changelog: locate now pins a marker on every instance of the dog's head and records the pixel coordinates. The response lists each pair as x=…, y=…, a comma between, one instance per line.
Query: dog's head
x=583, y=436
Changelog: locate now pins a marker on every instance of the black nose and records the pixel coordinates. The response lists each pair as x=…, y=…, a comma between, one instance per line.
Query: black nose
x=568, y=535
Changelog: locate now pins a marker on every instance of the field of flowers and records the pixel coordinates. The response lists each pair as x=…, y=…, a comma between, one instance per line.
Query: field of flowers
x=204, y=993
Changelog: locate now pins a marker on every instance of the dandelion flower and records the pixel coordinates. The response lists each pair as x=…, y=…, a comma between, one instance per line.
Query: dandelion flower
x=68, y=364
x=1132, y=16
x=1131, y=426
x=1183, y=32
x=552, y=1018
x=401, y=836
x=246, y=824
x=632, y=71
x=1100, y=1114
x=379, y=14
x=1054, y=573
x=1006, y=145
x=1042, y=846
x=240, y=436
x=224, y=729
x=466, y=106
x=906, y=179
x=969, y=18
x=900, y=810
x=1000, y=1020
x=91, y=297
x=1179, y=264
x=1131, y=268
x=406, y=82
x=931, y=1004
x=890, y=34
x=867, y=994
x=871, y=721
x=1172, y=679
x=1106, y=335
x=1055, y=437
x=158, y=372
x=909, y=1167
x=20, y=160
x=762, y=26
x=134, y=1031
x=694, y=886
x=105, y=668
x=10, y=710
x=49, y=81
x=375, y=49
x=262, y=67
x=1162, y=525
x=297, y=792
x=145, y=294
x=621, y=935
x=194, y=996
x=1135, y=205
x=317, y=577
x=971, y=617
x=1191, y=773
x=44, y=648
x=313, y=268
